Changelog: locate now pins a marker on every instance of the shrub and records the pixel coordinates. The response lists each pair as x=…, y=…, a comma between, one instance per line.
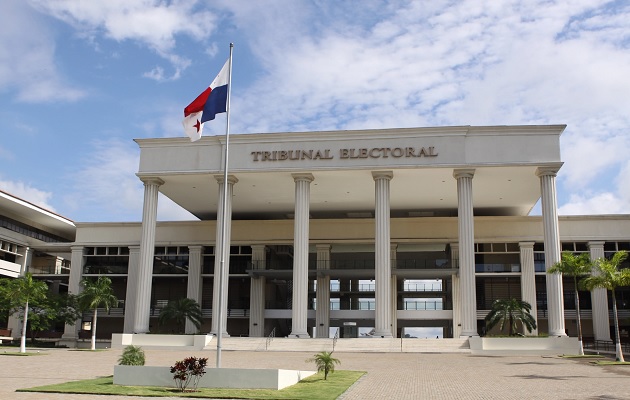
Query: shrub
x=132, y=355
x=325, y=362
x=188, y=372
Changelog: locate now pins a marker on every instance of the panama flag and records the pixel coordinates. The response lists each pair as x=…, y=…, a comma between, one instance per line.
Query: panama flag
x=211, y=102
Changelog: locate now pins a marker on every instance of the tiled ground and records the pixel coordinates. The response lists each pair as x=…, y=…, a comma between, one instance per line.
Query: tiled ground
x=390, y=375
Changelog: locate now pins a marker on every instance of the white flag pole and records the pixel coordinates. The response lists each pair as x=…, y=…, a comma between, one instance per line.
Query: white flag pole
x=224, y=245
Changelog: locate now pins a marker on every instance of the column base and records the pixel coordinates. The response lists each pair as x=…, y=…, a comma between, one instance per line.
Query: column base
x=224, y=334
x=299, y=335
x=383, y=334
x=557, y=333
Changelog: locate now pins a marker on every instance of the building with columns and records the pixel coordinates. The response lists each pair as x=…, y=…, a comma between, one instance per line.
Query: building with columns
x=388, y=230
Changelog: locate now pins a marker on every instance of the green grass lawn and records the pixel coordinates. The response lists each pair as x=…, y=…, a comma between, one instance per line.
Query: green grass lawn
x=313, y=387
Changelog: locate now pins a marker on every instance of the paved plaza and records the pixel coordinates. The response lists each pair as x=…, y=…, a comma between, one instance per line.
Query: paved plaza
x=389, y=375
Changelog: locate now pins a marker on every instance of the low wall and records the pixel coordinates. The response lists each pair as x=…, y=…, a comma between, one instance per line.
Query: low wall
x=233, y=378
x=524, y=345
x=175, y=342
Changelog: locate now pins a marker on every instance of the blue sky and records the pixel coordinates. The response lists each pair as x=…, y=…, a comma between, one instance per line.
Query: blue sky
x=80, y=79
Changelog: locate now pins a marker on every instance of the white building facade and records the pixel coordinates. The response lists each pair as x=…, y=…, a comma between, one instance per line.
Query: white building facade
x=387, y=230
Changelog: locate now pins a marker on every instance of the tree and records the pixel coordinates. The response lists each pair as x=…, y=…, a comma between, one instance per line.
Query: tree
x=608, y=276
x=574, y=266
x=52, y=310
x=324, y=362
x=510, y=312
x=179, y=310
x=96, y=294
x=17, y=294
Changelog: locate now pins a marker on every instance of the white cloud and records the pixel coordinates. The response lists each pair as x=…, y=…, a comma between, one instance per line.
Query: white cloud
x=153, y=23
x=27, y=58
x=27, y=192
x=108, y=190
x=602, y=203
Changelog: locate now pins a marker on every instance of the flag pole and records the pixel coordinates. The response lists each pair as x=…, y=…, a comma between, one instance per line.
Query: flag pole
x=224, y=217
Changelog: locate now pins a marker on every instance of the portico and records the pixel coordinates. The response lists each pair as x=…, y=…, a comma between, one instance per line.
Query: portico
x=334, y=188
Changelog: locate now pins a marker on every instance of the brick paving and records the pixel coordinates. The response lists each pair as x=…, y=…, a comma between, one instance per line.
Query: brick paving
x=389, y=375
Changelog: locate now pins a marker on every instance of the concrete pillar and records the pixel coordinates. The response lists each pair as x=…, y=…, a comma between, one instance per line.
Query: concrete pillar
x=456, y=292
x=195, y=281
x=466, y=231
x=599, y=299
x=69, y=336
x=382, y=257
x=300, y=255
x=147, y=252
x=132, y=282
x=221, y=280
x=528, y=281
x=26, y=260
x=394, y=293
x=322, y=314
x=555, y=303
x=257, y=293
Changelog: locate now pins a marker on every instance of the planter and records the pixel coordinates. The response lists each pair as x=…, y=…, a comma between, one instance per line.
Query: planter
x=524, y=345
x=233, y=378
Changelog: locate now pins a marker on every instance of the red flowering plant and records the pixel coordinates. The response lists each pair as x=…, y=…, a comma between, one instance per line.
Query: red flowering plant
x=187, y=373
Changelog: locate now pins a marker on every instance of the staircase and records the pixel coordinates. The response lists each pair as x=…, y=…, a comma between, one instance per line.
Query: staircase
x=362, y=345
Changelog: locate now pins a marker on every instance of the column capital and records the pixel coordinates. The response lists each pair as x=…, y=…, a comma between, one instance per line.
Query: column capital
x=389, y=175
x=303, y=177
x=551, y=170
x=524, y=245
x=595, y=244
x=231, y=179
x=151, y=180
x=323, y=247
x=463, y=173
x=195, y=247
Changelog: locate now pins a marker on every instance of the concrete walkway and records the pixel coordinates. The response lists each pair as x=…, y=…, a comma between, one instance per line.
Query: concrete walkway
x=390, y=375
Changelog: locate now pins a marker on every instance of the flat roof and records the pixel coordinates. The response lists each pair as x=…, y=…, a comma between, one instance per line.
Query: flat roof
x=422, y=160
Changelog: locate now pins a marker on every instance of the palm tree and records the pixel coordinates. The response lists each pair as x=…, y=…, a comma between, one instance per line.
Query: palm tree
x=96, y=294
x=324, y=362
x=180, y=309
x=21, y=291
x=574, y=266
x=608, y=276
x=510, y=312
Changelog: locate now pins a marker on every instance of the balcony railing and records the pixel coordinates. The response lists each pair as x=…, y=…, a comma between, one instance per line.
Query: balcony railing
x=49, y=270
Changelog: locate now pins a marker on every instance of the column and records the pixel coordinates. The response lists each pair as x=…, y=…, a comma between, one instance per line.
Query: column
x=26, y=260
x=322, y=314
x=195, y=281
x=456, y=292
x=466, y=229
x=382, y=258
x=132, y=283
x=74, y=287
x=394, y=292
x=528, y=281
x=599, y=299
x=147, y=251
x=257, y=293
x=221, y=279
x=555, y=304
x=300, y=255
